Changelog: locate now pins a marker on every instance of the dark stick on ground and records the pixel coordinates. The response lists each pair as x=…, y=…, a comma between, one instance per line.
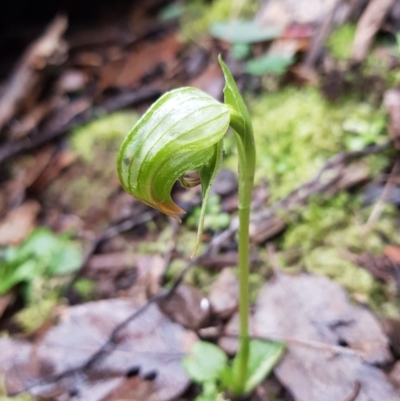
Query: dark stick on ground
x=74, y=114
x=27, y=77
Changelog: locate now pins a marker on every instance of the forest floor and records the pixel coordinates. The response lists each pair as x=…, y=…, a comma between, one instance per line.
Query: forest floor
x=99, y=296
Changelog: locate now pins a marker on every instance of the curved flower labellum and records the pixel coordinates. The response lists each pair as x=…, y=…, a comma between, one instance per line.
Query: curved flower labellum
x=180, y=132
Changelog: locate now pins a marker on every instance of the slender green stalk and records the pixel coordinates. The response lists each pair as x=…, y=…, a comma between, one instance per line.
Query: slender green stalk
x=247, y=156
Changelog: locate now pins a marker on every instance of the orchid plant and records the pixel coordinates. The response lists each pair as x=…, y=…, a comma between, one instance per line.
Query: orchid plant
x=183, y=131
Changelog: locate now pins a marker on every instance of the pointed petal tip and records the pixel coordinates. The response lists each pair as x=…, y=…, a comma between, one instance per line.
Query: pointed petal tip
x=170, y=209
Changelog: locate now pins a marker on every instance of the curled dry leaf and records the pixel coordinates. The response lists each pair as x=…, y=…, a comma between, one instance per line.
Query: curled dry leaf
x=144, y=358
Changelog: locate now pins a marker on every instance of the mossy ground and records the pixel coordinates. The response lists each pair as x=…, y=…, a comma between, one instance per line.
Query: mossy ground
x=296, y=131
x=199, y=15
x=85, y=187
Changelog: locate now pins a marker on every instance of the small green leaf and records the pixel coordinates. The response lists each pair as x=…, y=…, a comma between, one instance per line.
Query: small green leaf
x=205, y=363
x=264, y=355
x=269, y=64
x=210, y=391
x=239, y=51
x=66, y=259
x=41, y=243
x=171, y=12
x=42, y=254
x=243, y=31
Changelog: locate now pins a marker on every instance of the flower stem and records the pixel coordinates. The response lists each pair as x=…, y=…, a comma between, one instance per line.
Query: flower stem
x=247, y=155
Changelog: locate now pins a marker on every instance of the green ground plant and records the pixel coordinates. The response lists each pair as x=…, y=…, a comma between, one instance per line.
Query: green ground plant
x=42, y=255
x=40, y=266
x=167, y=142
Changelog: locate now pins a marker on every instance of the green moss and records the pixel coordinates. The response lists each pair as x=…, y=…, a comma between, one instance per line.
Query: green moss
x=35, y=314
x=297, y=130
x=199, y=15
x=85, y=288
x=102, y=135
x=159, y=244
x=378, y=66
x=97, y=145
x=214, y=219
x=328, y=231
x=340, y=42
x=85, y=187
x=44, y=296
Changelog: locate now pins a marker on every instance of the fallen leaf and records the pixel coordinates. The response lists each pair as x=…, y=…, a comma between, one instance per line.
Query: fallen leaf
x=187, y=306
x=282, y=13
x=378, y=265
x=392, y=329
x=18, y=223
x=144, y=356
x=58, y=162
x=139, y=62
x=395, y=375
x=335, y=344
x=12, y=352
x=393, y=253
x=210, y=81
x=224, y=294
x=138, y=276
x=6, y=300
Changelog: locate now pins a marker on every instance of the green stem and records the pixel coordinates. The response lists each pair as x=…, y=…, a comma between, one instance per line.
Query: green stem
x=247, y=155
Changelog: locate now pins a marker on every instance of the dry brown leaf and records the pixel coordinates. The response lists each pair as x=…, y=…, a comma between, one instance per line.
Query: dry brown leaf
x=392, y=329
x=11, y=352
x=6, y=300
x=139, y=276
x=281, y=13
x=395, y=375
x=59, y=161
x=333, y=345
x=210, y=81
x=144, y=357
x=393, y=253
x=18, y=223
x=187, y=306
x=139, y=62
x=224, y=294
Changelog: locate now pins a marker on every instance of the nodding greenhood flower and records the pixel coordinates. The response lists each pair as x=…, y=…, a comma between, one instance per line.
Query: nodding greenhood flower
x=181, y=132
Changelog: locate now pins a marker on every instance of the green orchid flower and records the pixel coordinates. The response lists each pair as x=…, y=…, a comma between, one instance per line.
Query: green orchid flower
x=181, y=132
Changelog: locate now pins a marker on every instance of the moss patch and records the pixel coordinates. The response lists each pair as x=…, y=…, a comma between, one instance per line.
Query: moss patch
x=340, y=41
x=199, y=15
x=297, y=130
x=330, y=230
x=103, y=136
x=85, y=187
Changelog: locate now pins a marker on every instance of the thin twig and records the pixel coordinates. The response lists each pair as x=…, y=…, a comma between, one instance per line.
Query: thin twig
x=111, y=232
x=378, y=208
x=29, y=71
x=75, y=114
